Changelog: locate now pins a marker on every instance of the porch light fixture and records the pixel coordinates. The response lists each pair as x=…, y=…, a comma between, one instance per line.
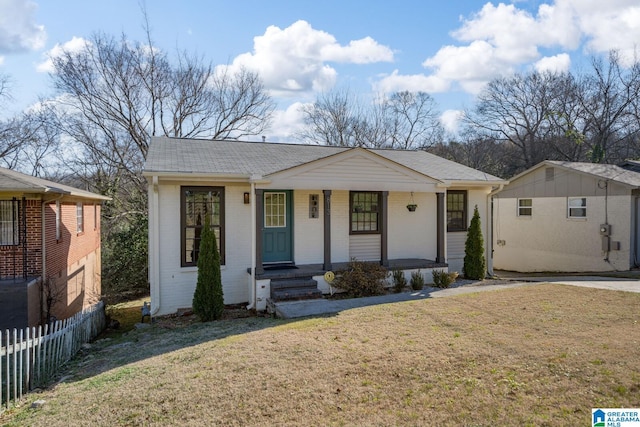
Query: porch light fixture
x=246, y=198
x=411, y=207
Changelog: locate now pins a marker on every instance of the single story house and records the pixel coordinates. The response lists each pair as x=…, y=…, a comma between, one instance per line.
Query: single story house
x=293, y=212
x=568, y=217
x=49, y=250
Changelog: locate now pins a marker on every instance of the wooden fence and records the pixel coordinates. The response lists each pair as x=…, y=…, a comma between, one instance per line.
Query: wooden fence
x=30, y=357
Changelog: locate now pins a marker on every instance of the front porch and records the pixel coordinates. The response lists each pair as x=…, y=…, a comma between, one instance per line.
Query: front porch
x=309, y=270
x=296, y=282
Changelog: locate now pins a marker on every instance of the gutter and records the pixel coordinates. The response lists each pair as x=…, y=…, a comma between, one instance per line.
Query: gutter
x=253, y=291
x=154, y=254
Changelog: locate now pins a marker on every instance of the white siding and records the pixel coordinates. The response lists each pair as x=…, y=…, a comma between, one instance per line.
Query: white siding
x=364, y=247
x=354, y=172
x=339, y=226
x=412, y=234
x=308, y=232
x=549, y=241
x=177, y=284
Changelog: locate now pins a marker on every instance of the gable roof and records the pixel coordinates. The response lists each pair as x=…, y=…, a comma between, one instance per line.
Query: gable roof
x=175, y=156
x=15, y=182
x=598, y=170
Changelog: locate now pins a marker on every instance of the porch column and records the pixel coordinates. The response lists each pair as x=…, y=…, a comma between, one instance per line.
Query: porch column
x=384, y=257
x=327, y=230
x=440, y=215
x=259, y=229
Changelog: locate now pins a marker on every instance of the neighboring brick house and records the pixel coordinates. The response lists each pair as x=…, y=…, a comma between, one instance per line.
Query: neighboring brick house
x=49, y=247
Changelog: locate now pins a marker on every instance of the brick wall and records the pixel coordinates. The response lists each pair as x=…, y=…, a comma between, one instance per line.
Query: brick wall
x=73, y=259
x=11, y=257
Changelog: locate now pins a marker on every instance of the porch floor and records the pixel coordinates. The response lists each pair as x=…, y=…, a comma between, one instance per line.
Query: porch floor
x=310, y=270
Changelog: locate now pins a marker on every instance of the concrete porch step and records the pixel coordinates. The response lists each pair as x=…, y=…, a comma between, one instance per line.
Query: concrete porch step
x=294, y=289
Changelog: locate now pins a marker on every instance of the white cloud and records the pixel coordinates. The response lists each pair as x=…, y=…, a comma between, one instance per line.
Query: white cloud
x=450, y=120
x=76, y=44
x=555, y=64
x=1, y=59
x=499, y=39
x=18, y=30
x=614, y=24
x=286, y=124
x=396, y=82
x=295, y=59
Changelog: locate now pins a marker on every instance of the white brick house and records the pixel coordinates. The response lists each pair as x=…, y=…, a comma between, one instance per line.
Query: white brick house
x=286, y=211
x=568, y=217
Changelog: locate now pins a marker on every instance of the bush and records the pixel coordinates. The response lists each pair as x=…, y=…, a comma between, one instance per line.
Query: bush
x=417, y=280
x=362, y=279
x=124, y=260
x=399, y=281
x=442, y=279
x=208, y=300
x=474, y=263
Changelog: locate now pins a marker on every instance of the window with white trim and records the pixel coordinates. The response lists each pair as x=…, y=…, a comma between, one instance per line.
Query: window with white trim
x=525, y=207
x=577, y=207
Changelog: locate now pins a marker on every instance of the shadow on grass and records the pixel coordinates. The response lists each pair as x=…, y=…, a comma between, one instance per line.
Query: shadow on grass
x=133, y=342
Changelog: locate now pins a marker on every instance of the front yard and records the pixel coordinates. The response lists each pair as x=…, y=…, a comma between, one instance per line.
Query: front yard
x=537, y=355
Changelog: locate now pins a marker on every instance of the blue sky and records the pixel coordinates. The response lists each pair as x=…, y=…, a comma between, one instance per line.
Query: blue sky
x=449, y=49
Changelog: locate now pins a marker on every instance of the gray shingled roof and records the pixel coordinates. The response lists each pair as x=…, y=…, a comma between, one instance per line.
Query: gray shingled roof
x=16, y=182
x=178, y=156
x=604, y=171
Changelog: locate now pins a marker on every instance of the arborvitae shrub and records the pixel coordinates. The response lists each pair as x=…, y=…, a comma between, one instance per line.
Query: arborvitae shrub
x=208, y=299
x=474, y=263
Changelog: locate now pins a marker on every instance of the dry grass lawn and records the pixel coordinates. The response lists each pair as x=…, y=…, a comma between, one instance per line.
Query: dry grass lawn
x=537, y=355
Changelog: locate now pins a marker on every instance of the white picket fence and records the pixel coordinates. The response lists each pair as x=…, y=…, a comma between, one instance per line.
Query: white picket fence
x=30, y=357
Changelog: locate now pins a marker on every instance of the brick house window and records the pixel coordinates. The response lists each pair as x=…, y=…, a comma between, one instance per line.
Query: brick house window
x=456, y=210
x=364, y=208
x=525, y=207
x=9, y=235
x=58, y=215
x=195, y=203
x=80, y=217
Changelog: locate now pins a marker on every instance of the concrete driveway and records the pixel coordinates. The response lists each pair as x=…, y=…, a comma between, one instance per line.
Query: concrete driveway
x=295, y=309
x=611, y=283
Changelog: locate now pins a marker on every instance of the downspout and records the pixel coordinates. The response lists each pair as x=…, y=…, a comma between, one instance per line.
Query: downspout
x=154, y=253
x=252, y=291
x=489, y=244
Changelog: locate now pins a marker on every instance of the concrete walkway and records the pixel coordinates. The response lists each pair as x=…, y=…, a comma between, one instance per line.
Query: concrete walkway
x=295, y=309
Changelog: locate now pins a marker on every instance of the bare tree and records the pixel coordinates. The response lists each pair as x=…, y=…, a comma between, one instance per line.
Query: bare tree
x=609, y=98
x=115, y=94
x=335, y=118
x=405, y=120
x=517, y=110
x=414, y=120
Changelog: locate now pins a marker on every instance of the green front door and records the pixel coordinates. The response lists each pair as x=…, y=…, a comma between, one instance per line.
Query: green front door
x=277, y=235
